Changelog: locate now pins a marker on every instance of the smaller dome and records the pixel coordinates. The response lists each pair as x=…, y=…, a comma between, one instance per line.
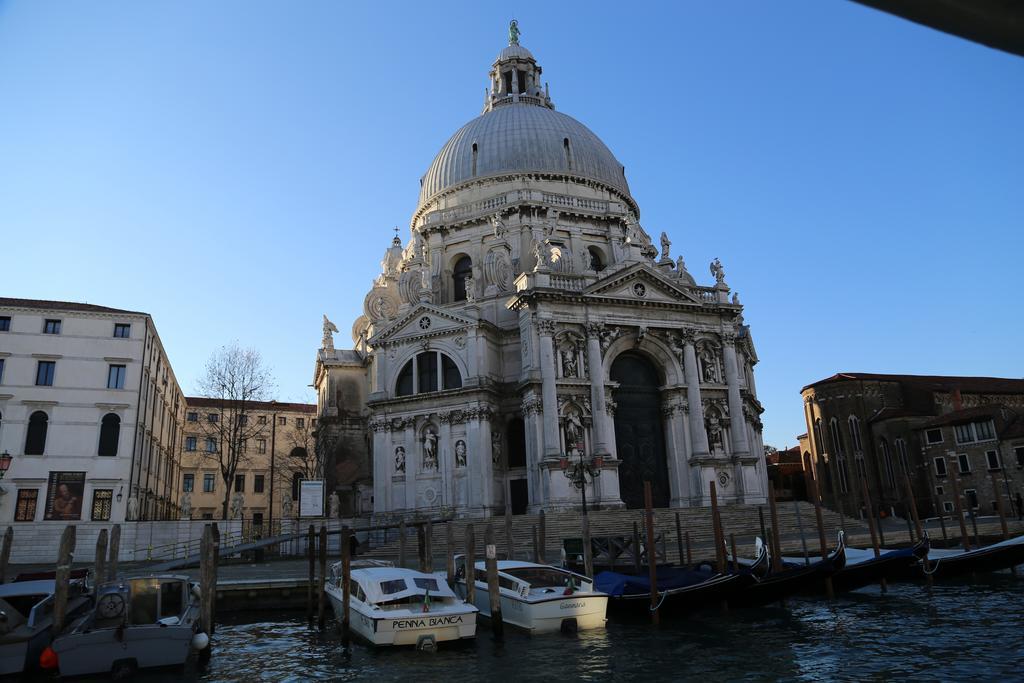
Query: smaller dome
x=514, y=52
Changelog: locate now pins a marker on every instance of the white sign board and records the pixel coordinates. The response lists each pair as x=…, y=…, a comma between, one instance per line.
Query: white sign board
x=311, y=498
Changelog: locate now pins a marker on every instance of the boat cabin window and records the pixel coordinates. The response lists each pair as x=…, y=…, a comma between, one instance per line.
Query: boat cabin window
x=172, y=600
x=426, y=584
x=23, y=604
x=505, y=582
x=145, y=600
x=392, y=587
x=539, y=577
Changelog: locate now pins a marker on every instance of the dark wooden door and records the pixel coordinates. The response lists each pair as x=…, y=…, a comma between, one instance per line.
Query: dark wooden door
x=639, y=435
x=520, y=496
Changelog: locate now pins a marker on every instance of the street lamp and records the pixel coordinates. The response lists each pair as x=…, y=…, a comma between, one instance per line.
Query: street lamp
x=579, y=472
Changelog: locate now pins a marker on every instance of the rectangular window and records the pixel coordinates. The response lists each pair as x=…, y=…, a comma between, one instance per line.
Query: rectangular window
x=940, y=467
x=5, y=325
x=282, y=421
x=188, y=483
x=193, y=417
x=1019, y=452
x=947, y=506
x=208, y=483
x=963, y=463
x=212, y=417
x=115, y=377
x=964, y=433
x=243, y=420
x=51, y=327
x=972, y=498
x=983, y=430
x=993, y=460
x=1, y=370
x=44, y=373
x=933, y=436
x=190, y=443
x=258, y=483
x=300, y=422
x=426, y=366
x=239, y=483
x=262, y=420
x=261, y=446
x=211, y=445
x=122, y=330
x=940, y=490
x=25, y=510
x=101, y=502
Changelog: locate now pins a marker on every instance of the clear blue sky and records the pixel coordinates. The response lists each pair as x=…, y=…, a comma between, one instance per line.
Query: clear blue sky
x=235, y=168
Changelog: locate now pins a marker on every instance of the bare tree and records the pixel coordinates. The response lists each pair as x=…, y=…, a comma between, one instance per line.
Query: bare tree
x=306, y=453
x=235, y=380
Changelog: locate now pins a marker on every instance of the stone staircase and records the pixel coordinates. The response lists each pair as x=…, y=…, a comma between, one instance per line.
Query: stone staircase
x=743, y=521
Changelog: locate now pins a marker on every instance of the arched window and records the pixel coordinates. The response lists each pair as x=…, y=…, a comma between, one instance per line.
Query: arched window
x=596, y=259
x=819, y=442
x=35, y=440
x=855, y=433
x=428, y=371
x=836, y=436
x=887, y=459
x=463, y=270
x=568, y=152
x=110, y=433
x=473, y=171
x=901, y=454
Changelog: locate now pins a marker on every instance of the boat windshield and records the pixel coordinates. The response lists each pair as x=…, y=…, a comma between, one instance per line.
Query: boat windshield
x=153, y=600
x=426, y=584
x=539, y=577
x=393, y=586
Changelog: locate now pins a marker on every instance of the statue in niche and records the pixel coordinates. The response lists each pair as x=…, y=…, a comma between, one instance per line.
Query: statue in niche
x=334, y=505
x=570, y=367
x=429, y=450
x=709, y=365
x=470, y=290
x=400, y=460
x=460, y=453
x=666, y=244
x=329, y=330
x=237, y=502
x=718, y=271
x=286, y=505
x=540, y=253
x=133, y=508
x=714, y=429
x=573, y=431
x=186, y=506
x=499, y=226
x=496, y=448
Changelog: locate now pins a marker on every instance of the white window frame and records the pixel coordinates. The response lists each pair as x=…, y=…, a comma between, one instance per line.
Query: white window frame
x=960, y=463
x=928, y=440
x=945, y=466
x=947, y=506
x=988, y=461
x=970, y=433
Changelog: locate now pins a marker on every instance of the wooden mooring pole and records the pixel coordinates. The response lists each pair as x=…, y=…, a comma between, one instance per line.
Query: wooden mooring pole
x=470, y=564
x=427, y=559
x=716, y=525
x=588, y=550
x=207, y=582
x=449, y=552
x=346, y=575
x=964, y=539
x=735, y=557
x=829, y=591
x=636, y=549
x=100, y=570
x=679, y=540
x=421, y=548
x=871, y=527
x=113, y=552
x=510, y=549
x=689, y=549
x=774, y=543
x=491, y=558
x=401, y=543
x=311, y=556
x=536, y=552
x=913, y=507
x=5, y=554
x=800, y=530
x=652, y=553
x=65, y=553
x=999, y=506
x=542, y=537
x=321, y=607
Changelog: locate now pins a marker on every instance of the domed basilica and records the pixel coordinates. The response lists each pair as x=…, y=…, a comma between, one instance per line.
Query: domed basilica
x=530, y=324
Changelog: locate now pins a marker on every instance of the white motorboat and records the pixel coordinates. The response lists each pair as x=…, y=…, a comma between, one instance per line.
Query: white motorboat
x=394, y=606
x=539, y=598
x=137, y=623
x=26, y=621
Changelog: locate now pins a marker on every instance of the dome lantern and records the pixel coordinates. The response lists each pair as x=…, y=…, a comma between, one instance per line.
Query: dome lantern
x=515, y=76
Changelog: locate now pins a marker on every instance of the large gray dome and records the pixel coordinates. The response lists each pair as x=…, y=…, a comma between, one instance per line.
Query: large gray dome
x=522, y=138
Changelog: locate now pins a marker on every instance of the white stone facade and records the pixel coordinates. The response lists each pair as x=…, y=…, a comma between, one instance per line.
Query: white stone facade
x=127, y=471
x=530, y=320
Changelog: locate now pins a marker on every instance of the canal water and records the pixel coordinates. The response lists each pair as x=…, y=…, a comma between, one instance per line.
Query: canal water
x=968, y=630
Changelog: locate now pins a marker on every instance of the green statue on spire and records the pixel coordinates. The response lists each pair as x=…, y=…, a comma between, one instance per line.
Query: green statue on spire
x=513, y=32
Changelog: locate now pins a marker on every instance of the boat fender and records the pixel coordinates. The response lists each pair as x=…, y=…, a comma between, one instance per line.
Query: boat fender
x=200, y=641
x=48, y=659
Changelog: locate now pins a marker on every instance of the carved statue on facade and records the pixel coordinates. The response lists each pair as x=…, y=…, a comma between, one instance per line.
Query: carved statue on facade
x=495, y=448
x=714, y=429
x=709, y=366
x=286, y=505
x=666, y=244
x=470, y=290
x=460, y=453
x=334, y=505
x=573, y=431
x=718, y=271
x=400, y=460
x=133, y=508
x=680, y=264
x=237, y=502
x=499, y=226
x=429, y=450
x=329, y=330
x=541, y=254
x=570, y=367
x=513, y=32
x=186, y=505
x=735, y=299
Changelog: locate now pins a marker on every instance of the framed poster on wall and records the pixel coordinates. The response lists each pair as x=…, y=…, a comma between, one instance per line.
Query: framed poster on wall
x=64, y=494
x=311, y=498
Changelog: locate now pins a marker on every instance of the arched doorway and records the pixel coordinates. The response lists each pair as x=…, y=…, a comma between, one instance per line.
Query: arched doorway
x=639, y=436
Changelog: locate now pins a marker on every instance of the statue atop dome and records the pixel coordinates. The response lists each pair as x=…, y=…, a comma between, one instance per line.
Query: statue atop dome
x=513, y=32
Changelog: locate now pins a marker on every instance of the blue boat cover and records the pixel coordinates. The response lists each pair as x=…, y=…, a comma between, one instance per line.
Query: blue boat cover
x=618, y=585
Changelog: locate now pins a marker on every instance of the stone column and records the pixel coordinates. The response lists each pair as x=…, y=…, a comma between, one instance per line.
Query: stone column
x=549, y=396
x=698, y=434
x=602, y=430
x=381, y=478
x=485, y=461
x=446, y=459
x=413, y=457
x=737, y=422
